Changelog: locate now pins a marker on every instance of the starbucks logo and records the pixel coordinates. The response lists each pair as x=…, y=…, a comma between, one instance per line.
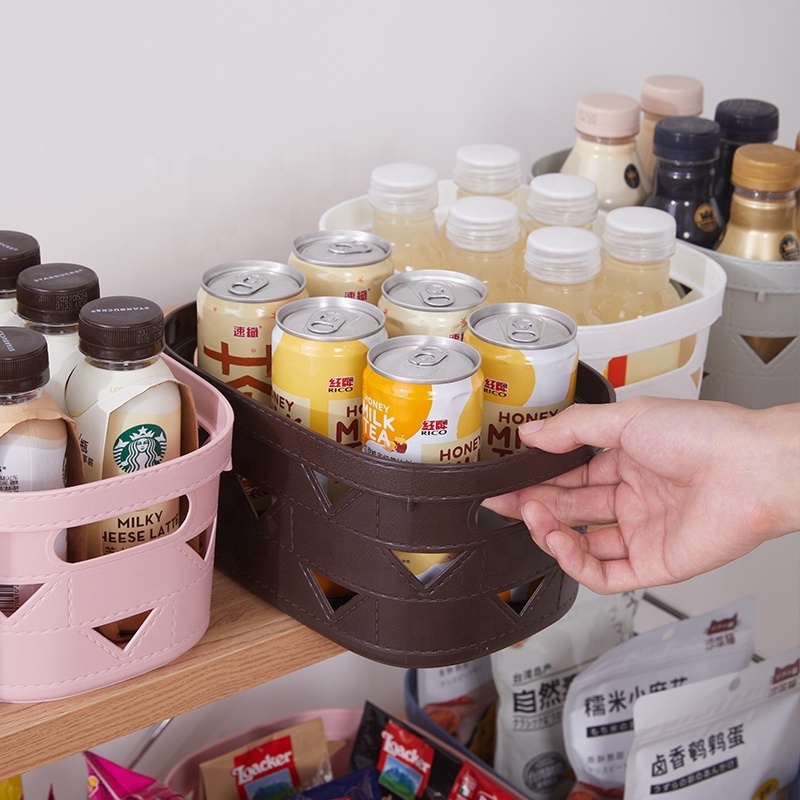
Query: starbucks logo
x=139, y=448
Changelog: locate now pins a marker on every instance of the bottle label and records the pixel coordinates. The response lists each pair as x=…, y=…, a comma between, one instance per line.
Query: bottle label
x=140, y=447
x=632, y=178
x=789, y=248
x=705, y=218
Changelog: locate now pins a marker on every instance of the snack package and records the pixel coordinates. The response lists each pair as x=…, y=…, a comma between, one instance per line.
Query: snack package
x=409, y=765
x=460, y=699
x=472, y=784
x=532, y=679
x=11, y=788
x=272, y=768
x=598, y=713
x=582, y=791
x=110, y=781
x=737, y=735
x=359, y=785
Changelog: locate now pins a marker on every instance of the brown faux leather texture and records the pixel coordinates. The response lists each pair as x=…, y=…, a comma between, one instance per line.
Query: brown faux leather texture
x=391, y=505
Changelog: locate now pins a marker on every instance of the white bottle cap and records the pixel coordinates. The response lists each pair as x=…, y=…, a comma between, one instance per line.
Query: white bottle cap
x=607, y=115
x=639, y=234
x=488, y=169
x=561, y=199
x=672, y=96
x=485, y=224
x=403, y=188
x=560, y=254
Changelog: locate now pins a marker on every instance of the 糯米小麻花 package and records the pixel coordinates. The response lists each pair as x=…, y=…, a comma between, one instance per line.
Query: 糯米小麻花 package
x=598, y=713
x=532, y=679
x=274, y=767
x=359, y=785
x=110, y=781
x=737, y=735
x=409, y=765
x=460, y=699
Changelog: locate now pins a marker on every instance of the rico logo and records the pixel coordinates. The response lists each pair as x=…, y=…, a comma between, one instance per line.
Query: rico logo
x=434, y=427
x=723, y=625
x=496, y=388
x=344, y=384
x=785, y=673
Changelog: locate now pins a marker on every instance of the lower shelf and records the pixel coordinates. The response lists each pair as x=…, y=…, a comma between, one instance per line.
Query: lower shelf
x=247, y=643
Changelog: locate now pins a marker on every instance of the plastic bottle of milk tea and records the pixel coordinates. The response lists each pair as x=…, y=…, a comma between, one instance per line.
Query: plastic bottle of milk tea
x=403, y=198
x=605, y=149
x=32, y=451
x=483, y=234
x=637, y=246
x=493, y=170
x=560, y=199
x=49, y=299
x=664, y=96
x=562, y=265
x=18, y=251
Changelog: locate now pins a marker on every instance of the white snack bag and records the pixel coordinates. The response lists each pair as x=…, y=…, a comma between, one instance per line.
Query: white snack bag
x=532, y=679
x=598, y=714
x=735, y=736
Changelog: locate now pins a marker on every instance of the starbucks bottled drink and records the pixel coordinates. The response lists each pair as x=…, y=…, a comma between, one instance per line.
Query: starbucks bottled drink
x=664, y=96
x=18, y=251
x=741, y=121
x=605, y=149
x=686, y=151
x=127, y=407
x=33, y=435
x=403, y=198
x=49, y=300
x=560, y=199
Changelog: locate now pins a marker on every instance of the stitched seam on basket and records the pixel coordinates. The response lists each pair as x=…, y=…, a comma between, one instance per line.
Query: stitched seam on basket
x=173, y=646
x=416, y=498
x=27, y=609
x=104, y=619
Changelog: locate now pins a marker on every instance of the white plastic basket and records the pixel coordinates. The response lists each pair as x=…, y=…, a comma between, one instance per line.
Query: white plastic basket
x=690, y=322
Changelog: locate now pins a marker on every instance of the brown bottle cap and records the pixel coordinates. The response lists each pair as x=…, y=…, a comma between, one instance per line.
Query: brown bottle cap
x=17, y=252
x=121, y=328
x=24, y=364
x=766, y=168
x=55, y=293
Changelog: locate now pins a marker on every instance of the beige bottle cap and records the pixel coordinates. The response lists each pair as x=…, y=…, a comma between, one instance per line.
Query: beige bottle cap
x=672, y=96
x=607, y=115
x=766, y=168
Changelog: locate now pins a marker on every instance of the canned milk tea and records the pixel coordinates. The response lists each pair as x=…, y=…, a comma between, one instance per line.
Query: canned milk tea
x=350, y=264
x=530, y=363
x=236, y=308
x=430, y=301
x=423, y=403
x=319, y=351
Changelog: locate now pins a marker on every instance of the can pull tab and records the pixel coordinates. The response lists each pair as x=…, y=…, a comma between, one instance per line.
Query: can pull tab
x=347, y=246
x=437, y=294
x=326, y=322
x=427, y=356
x=524, y=329
x=247, y=283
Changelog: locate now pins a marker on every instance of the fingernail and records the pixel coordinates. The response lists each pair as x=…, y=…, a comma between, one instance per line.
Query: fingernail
x=531, y=427
x=549, y=540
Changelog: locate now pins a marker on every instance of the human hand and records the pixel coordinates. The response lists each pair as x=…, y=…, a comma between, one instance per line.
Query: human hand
x=684, y=486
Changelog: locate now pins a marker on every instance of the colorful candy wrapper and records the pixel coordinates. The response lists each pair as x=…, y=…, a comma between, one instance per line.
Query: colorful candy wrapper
x=11, y=788
x=472, y=784
x=110, y=781
x=359, y=785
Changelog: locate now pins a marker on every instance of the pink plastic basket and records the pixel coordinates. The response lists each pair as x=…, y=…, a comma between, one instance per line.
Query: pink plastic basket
x=50, y=648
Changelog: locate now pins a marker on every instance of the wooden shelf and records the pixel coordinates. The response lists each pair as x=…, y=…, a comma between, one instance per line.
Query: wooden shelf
x=247, y=643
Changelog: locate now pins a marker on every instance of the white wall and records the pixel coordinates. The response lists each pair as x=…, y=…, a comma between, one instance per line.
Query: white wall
x=151, y=140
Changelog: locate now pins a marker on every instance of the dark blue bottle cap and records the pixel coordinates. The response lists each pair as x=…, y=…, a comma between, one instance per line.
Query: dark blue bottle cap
x=746, y=121
x=691, y=139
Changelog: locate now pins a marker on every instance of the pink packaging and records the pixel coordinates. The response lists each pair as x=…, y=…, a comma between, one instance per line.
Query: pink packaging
x=166, y=576
x=110, y=781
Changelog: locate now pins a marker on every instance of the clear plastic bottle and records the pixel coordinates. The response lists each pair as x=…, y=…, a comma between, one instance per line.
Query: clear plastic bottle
x=687, y=150
x=664, y=96
x=561, y=266
x=483, y=235
x=488, y=169
x=32, y=451
x=637, y=246
x=18, y=251
x=605, y=149
x=403, y=198
x=49, y=299
x=741, y=121
x=560, y=199
x=766, y=178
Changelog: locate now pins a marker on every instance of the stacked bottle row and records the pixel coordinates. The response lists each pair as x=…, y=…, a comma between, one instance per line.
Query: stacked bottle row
x=69, y=356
